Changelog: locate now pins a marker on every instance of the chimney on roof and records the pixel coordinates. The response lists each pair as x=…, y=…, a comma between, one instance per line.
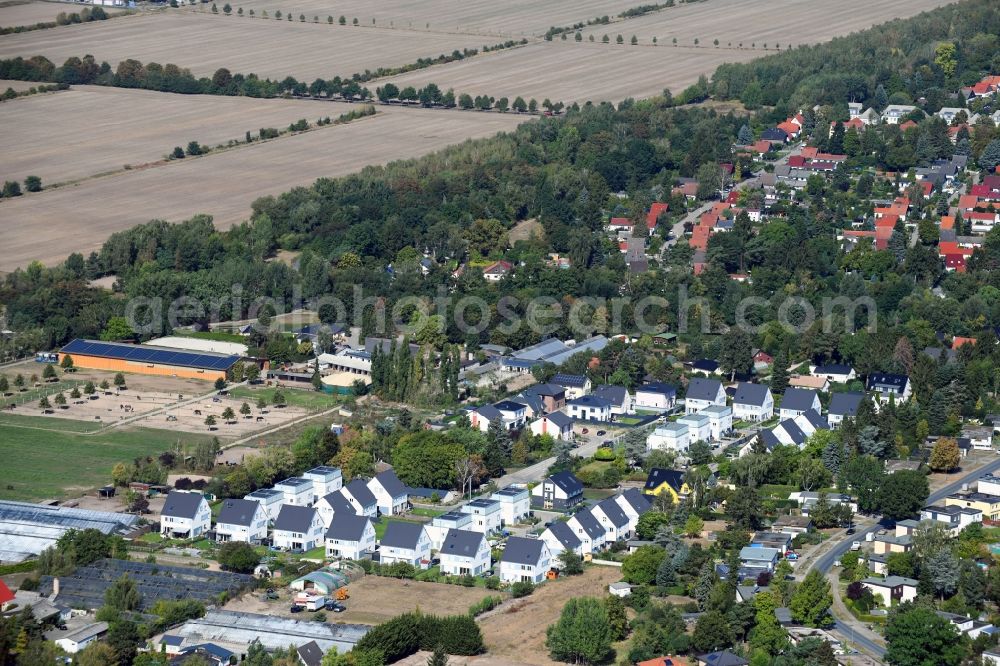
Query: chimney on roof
x=55, y=588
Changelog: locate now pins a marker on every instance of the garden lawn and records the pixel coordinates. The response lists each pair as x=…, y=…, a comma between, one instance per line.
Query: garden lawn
x=53, y=465
x=314, y=401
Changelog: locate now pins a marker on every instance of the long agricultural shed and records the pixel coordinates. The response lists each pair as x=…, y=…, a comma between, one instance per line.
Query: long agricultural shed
x=28, y=529
x=148, y=359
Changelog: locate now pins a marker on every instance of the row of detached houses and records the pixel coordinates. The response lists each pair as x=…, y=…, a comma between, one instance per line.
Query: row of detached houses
x=293, y=507
x=552, y=408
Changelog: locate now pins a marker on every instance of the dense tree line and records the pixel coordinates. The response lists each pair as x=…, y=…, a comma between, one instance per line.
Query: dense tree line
x=901, y=56
x=85, y=15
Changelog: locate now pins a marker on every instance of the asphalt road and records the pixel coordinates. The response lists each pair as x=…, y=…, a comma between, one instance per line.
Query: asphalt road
x=825, y=563
x=588, y=445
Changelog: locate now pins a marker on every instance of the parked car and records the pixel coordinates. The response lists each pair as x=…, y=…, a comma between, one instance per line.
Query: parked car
x=601, y=433
x=856, y=545
x=792, y=555
x=295, y=609
x=607, y=442
x=585, y=431
x=335, y=606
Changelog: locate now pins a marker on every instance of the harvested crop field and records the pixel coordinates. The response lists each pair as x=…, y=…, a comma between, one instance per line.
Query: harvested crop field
x=776, y=21
x=50, y=225
x=578, y=71
x=57, y=151
x=268, y=48
x=511, y=18
x=18, y=85
x=14, y=13
x=517, y=630
x=571, y=72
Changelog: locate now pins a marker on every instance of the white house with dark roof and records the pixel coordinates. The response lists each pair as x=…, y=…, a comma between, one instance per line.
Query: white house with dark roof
x=512, y=414
x=589, y=408
x=439, y=526
x=634, y=503
x=574, y=385
x=325, y=480
x=464, y=553
x=622, y=402
x=405, y=542
x=559, y=491
x=656, y=397
x=334, y=504
x=269, y=499
x=361, y=498
x=842, y=406
x=559, y=536
x=797, y=401
x=891, y=588
x=297, y=491
x=391, y=496
x=525, y=560
x=185, y=515
x=555, y=424
x=614, y=520
x=835, y=372
x=481, y=417
x=241, y=520
x=515, y=504
x=955, y=518
x=588, y=529
x=886, y=385
x=720, y=420
x=297, y=528
x=703, y=392
x=486, y=515
x=350, y=537
x=753, y=402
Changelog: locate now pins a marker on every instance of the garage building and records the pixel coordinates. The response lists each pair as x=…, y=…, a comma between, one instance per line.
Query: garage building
x=148, y=359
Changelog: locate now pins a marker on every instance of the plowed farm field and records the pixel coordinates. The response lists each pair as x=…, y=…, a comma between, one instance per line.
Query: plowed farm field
x=204, y=43
x=57, y=151
x=571, y=71
x=50, y=225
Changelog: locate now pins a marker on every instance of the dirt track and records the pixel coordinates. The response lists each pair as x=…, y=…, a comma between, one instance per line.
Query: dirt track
x=517, y=632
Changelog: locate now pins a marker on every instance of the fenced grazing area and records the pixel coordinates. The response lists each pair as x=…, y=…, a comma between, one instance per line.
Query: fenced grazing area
x=80, y=218
x=57, y=151
x=85, y=587
x=240, y=44
x=54, y=462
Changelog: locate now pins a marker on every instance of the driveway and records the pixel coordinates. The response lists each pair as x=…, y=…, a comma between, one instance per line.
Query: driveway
x=847, y=626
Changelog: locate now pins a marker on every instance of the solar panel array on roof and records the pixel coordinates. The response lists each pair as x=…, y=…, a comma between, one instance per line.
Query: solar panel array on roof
x=149, y=354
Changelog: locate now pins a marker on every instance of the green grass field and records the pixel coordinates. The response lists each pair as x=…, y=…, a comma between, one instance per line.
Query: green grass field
x=48, y=423
x=313, y=401
x=49, y=464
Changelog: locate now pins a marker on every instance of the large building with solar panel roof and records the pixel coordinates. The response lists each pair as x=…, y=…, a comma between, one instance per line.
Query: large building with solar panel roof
x=148, y=359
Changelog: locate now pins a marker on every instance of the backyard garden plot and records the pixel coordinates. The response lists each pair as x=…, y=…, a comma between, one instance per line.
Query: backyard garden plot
x=774, y=22
x=241, y=44
x=511, y=18
x=86, y=586
x=79, y=218
x=57, y=151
